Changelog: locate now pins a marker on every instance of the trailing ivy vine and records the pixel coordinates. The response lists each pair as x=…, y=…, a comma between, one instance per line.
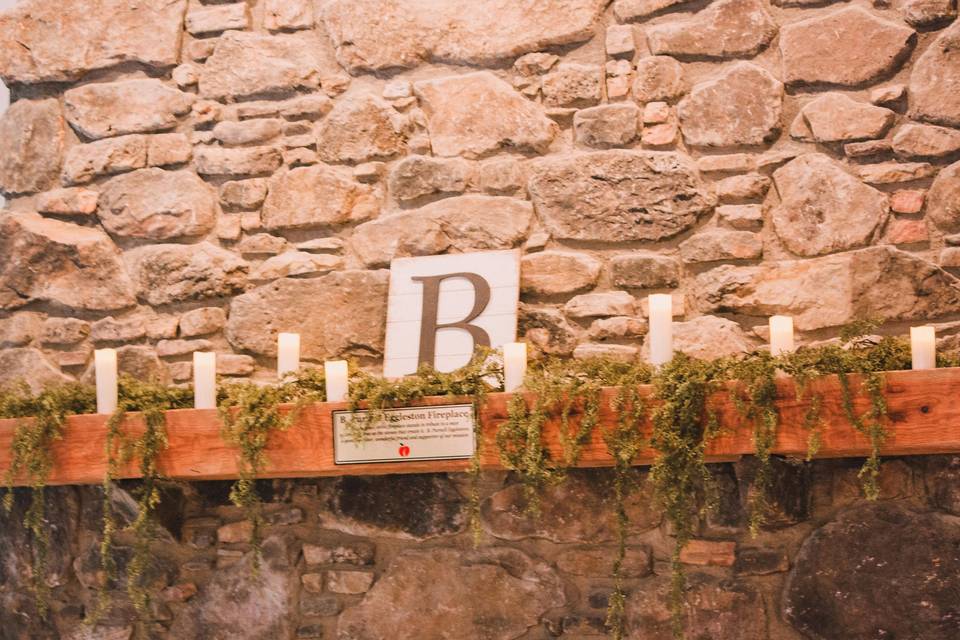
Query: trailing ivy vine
x=675, y=419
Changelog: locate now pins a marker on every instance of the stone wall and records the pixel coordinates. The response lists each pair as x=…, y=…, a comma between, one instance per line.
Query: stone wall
x=187, y=176
x=392, y=558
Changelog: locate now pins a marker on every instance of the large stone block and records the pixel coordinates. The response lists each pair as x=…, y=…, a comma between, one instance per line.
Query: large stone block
x=618, y=195
x=725, y=29
x=463, y=223
x=31, y=145
x=360, y=127
x=99, y=110
x=459, y=31
x=84, y=162
x=317, y=196
x=153, y=204
x=476, y=113
x=934, y=91
x=834, y=117
x=168, y=273
x=249, y=64
x=896, y=571
x=339, y=314
x=943, y=199
x=879, y=282
x=44, y=41
x=742, y=106
x=29, y=366
x=823, y=208
x=495, y=594
x=558, y=272
x=62, y=263
x=829, y=48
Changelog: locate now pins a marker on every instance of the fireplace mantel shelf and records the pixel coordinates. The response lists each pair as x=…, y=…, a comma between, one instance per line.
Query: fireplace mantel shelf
x=924, y=414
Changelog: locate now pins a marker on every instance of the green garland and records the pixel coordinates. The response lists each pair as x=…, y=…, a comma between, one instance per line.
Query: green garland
x=565, y=392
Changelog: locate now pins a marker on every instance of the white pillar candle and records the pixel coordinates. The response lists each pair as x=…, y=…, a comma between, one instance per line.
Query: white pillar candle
x=514, y=365
x=660, y=336
x=338, y=385
x=288, y=354
x=923, y=347
x=781, y=335
x=105, y=366
x=204, y=380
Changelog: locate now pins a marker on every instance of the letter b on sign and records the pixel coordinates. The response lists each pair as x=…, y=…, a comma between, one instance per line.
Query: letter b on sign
x=442, y=307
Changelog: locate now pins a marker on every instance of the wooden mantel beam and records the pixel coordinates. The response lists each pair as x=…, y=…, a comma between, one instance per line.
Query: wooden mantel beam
x=924, y=411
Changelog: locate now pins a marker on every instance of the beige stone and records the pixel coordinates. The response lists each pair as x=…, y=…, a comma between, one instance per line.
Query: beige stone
x=31, y=367
x=247, y=64
x=572, y=85
x=243, y=194
x=717, y=244
x=99, y=110
x=746, y=217
x=288, y=14
x=458, y=31
x=232, y=364
x=927, y=13
x=617, y=352
x=176, y=348
x=55, y=41
x=644, y=270
x=935, y=80
x=943, y=199
x=922, y=141
x=168, y=149
x=535, y=63
x=84, y=162
x=715, y=553
x=658, y=78
x=248, y=131
x=216, y=18
x=828, y=47
x=217, y=161
x=749, y=186
x=360, y=128
x=235, y=532
x=349, y=582
x=152, y=204
x=295, y=263
x=558, y=272
x=619, y=40
x=262, y=243
x=458, y=110
x=31, y=144
x=110, y=329
x=202, y=321
x=315, y=196
x=824, y=209
x=617, y=327
x=734, y=162
x=605, y=126
x=168, y=273
x=596, y=196
x=907, y=201
x=888, y=96
x=867, y=149
x=61, y=263
x=20, y=329
x=893, y=172
x=834, y=117
x=64, y=331
x=741, y=106
x=657, y=113
x=606, y=303
x=725, y=29
x=710, y=338
x=462, y=223
x=417, y=176
x=74, y=201
x=880, y=282
x=339, y=314
x=627, y=10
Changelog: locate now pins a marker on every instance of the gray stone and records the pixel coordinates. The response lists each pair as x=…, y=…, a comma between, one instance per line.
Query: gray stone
x=884, y=553
x=168, y=273
x=317, y=196
x=100, y=110
x=741, y=106
x=51, y=42
x=347, y=310
x=202, y=321
x=360, y=128
x=110, y=329
x=65, y=264
x=823, y=209
x=458, y=112
x=878, y=282
x=618, y=195
x=20, y=329
x=644, y=270
x=31, y=145
x=64, y=331
x=457, y=31
x=828, y=48
x=29, y=366
x=935, y=80
x=152, y=204
x=725, y=29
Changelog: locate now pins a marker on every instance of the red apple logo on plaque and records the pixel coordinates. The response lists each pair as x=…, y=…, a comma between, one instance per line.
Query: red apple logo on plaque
x=404, y=450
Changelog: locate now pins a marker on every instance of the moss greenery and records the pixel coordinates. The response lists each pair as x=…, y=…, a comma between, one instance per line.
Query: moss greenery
x=677, y=419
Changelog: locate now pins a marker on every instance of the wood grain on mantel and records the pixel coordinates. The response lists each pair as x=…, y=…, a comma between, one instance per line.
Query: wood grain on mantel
x=924, y=413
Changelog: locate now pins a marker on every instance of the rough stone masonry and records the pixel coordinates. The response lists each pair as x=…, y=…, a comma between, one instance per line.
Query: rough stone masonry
x=202, y=175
